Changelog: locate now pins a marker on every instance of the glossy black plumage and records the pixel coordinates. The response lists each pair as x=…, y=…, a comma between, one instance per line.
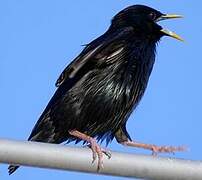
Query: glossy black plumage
x=97, y=92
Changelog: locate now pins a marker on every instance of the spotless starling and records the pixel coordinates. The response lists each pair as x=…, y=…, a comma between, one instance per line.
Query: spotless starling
x=99, y=89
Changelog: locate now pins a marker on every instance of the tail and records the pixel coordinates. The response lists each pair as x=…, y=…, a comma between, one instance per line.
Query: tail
x=44, y=131
x=12, y=169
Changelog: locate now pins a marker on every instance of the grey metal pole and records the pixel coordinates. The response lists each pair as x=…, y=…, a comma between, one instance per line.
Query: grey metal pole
x=80, y=159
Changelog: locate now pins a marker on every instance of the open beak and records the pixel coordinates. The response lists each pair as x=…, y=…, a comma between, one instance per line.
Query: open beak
x=168, y=32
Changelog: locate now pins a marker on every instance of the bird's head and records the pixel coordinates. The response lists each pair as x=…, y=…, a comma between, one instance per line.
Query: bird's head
x=144, y=20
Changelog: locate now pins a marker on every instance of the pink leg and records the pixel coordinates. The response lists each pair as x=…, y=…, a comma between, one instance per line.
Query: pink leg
x=155, y=149
x=96, y=149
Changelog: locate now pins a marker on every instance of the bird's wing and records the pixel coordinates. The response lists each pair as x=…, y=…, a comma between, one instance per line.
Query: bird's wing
x=91, y=50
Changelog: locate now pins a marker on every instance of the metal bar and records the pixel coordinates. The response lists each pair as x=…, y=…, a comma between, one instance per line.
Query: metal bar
x=80, y=159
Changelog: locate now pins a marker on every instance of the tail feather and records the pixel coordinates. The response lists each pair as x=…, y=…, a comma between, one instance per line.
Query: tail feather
x=12, y=169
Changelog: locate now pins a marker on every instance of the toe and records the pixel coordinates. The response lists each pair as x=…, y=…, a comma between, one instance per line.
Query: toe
x=100, y=158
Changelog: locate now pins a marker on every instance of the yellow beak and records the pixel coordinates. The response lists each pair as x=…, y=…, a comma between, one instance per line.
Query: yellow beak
x=171, y=34
x=169, y=16
x=167, y=32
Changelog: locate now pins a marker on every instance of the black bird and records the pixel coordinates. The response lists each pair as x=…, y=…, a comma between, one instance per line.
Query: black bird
x=99, y=89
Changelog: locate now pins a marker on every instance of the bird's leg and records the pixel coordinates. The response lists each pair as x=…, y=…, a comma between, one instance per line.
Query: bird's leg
x=155, y=149
x=96, y=149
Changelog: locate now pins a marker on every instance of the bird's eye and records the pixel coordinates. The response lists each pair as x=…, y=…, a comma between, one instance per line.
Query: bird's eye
x=152, y=16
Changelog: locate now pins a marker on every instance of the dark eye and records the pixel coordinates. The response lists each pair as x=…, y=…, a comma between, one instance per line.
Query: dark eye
x=152, y=16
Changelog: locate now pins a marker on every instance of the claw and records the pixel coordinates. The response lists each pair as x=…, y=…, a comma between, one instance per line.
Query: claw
x=106, y=152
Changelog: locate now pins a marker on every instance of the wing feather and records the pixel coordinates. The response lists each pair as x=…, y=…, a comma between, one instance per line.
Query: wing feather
x=90, y=52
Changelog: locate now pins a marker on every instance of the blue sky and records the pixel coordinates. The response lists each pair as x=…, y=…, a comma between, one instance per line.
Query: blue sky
x=39, y=38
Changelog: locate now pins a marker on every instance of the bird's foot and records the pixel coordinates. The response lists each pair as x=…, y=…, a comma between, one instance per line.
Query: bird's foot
x=166, y=149
x=95, y=147
x=155, y=149
x=104, y=150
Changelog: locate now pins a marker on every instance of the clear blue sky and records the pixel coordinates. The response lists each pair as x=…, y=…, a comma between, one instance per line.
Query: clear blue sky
x=39, y=38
